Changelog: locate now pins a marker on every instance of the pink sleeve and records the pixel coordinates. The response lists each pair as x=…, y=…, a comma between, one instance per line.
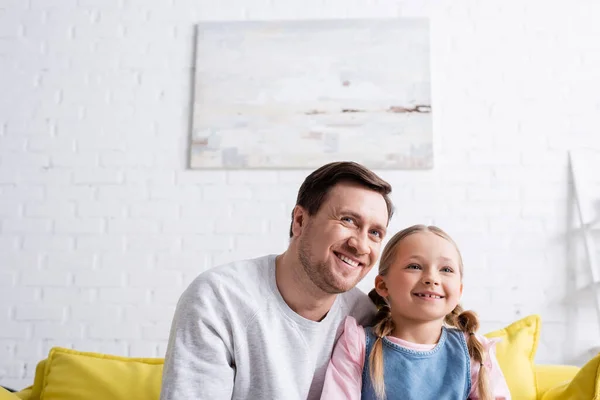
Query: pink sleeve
x=497, y=382
x=343, y=379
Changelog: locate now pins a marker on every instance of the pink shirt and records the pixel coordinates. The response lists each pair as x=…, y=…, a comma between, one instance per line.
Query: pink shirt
x=343, y=379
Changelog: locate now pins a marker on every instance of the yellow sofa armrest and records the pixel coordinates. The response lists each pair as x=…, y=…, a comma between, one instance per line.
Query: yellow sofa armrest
x=548, y=376
x=6, y=395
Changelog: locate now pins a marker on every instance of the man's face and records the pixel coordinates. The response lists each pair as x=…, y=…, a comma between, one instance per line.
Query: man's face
x=340, y=244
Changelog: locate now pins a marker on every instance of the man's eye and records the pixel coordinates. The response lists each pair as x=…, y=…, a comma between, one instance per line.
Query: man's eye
x=347, y=219
x=376, y=233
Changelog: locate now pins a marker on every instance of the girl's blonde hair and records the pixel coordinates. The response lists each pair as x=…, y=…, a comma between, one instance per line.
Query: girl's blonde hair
x=466, y=321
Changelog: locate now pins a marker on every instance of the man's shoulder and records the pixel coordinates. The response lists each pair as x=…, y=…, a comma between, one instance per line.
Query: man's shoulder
x=241, y=277
x=356, y=303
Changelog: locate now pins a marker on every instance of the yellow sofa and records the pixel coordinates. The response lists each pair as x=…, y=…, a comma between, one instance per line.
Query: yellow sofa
x=73, y=375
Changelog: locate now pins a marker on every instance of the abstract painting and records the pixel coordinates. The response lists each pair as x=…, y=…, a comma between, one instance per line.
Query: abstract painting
x=299, y=94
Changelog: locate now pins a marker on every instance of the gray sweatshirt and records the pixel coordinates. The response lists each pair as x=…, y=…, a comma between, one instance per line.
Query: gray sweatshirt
x=234, y=337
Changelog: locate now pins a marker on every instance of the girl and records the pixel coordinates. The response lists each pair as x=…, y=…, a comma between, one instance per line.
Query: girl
x=422, y=345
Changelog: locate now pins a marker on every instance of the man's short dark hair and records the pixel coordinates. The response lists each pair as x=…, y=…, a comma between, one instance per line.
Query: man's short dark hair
x=317, y=185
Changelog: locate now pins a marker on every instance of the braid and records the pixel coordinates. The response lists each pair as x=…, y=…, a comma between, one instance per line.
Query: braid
x=384, y=326
x=468, y=323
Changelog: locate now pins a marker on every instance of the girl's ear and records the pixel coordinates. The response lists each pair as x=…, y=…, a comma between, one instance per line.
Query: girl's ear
x=381, y=287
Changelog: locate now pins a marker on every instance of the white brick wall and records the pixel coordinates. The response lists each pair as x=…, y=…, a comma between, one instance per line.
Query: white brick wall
x=101, y=226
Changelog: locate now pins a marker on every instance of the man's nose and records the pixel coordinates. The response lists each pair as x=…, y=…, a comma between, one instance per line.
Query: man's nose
x=360, y=243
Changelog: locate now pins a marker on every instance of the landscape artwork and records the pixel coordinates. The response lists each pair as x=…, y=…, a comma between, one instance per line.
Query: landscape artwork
x=300, y=94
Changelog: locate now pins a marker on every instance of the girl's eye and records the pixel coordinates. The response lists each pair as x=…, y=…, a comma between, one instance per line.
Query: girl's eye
x=414, y=266
x=447, y=269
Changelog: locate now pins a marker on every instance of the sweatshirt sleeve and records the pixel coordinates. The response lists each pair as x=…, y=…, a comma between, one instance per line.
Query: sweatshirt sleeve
x=499, y=388
x=199, y=360
x=343, y=380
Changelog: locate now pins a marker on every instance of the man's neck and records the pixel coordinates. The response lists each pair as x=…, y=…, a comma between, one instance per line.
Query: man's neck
x=298, y=291
x=421, y=332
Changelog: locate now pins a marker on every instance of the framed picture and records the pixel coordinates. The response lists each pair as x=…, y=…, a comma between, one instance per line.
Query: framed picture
x=299, y=94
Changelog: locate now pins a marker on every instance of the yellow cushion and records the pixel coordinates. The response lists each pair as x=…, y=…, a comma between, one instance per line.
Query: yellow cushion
x=76, y=375
x=548, y=376
x=583, y=386
x=515, y=355
x=6, y=395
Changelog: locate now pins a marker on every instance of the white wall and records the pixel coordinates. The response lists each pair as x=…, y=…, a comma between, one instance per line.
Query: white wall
x=102, y=226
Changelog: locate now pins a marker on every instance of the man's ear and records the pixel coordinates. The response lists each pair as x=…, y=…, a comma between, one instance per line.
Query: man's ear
x=381, y=287
x=298, y=220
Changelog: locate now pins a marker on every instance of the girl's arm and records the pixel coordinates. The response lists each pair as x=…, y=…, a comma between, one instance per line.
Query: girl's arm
x=498, y=386
x=343, y=380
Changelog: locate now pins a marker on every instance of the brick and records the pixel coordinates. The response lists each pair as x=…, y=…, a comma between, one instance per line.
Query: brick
x=57, y=330
x=216, y=193
x=123, y=193
x=80, y=160
x=123, y=296
x=21, y=192
x=153, y=243
x=44, y=278
x=15, y=330
x=207, y=243
x=154, y=209
x=132, y=225
x=126, y=159
x=176, y=192
x=150, y=176
x=188, y=226
x=100, y=243
x=10, y=208
x=191, y=177
x=29, y=351
x=47, y=243
x=100, y=209
x=69, y=261
x=96, y=312
x=98, y=278
x=70, y=192
x=213, y=209
x=79, y=226
x=26, y=225
x=97, y=176
x=153, y=278
x=244, y=226
x=183, y=261
x=160, y=331
x=7, y=279
x=38, y=313
x=49, y=144
x=70, y=295
x=49, y=209
x=149, y=313
x=19, y=295
x=8, y=244
x=113, y=332
x=125, y=261
x=167, y=296
x=497, y=193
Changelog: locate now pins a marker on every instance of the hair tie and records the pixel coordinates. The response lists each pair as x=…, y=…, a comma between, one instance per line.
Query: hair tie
x=471, y=333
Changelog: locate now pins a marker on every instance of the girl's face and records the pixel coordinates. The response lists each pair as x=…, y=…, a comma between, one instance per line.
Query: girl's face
x=424, y=282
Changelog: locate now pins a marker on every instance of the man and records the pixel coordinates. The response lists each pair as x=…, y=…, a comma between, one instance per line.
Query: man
x=265, y=328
